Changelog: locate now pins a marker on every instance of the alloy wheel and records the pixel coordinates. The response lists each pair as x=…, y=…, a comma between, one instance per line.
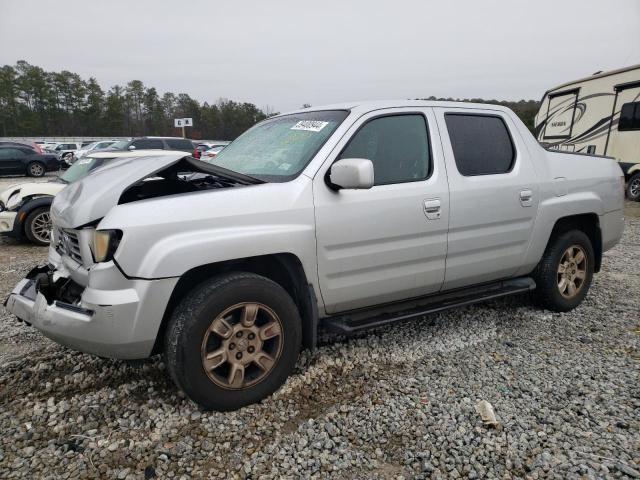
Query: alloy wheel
x=41, y=227
x=36, y=170
x=572, y=271
x=242, y=345
x=634, y=187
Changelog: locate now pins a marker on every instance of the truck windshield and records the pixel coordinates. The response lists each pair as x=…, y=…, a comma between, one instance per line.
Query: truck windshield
x=278, y=149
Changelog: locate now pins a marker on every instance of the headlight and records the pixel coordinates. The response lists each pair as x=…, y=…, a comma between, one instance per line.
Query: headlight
x=14, y=200
x=105, y=244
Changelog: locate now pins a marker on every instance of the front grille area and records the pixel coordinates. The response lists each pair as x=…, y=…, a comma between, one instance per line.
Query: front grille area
x=67, y=243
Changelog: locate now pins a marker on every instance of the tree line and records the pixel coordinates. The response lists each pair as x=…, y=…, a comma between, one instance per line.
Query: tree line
x=34, y=102
x=525, y=109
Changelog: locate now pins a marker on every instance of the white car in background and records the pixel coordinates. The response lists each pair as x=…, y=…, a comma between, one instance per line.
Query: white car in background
x=24, y=207
x=66, y=150
x=204, y=145
x=84, y=151
x=212, y=152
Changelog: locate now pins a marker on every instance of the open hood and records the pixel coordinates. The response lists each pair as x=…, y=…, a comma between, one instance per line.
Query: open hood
x=90, y=198
x=129, y=180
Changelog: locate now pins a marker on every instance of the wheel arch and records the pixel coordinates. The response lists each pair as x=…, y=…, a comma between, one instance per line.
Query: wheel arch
x=27, y=207
x=283, y=268
x=589, y=224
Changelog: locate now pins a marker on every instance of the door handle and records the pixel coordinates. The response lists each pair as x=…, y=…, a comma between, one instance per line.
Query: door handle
x=526, y=198
x=432, y=209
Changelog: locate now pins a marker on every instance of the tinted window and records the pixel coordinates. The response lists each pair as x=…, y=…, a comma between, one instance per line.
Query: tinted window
x=10, y=153
x=177, y=144
x=629, y=116
x=148, y=143
x=481, y=144
x=397, y=145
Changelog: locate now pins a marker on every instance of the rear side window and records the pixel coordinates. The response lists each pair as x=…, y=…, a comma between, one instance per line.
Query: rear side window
x=148, y=143
x=398, y=146
x=177, y=144
x=481, y=144
x=629, y=117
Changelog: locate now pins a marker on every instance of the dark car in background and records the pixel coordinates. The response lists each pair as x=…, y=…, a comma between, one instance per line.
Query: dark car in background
x=156, y=143
x=23, y=160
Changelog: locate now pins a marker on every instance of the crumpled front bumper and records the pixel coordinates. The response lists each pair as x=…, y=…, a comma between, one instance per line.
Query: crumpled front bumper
x=112, y=317
x=7, y=221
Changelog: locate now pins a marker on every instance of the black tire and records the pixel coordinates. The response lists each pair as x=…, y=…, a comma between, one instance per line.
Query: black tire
x=35, y=223
x=190, y=324
x=633, y=187
x=547, y=293
x=36, y=169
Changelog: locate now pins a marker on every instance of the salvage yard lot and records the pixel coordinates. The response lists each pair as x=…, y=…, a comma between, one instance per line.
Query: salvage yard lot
x=397, y=401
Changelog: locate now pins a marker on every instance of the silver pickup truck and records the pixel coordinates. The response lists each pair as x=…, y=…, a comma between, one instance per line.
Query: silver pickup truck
x=343, y=217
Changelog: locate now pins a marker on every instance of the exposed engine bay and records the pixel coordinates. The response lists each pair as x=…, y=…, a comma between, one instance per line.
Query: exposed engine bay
x=187, y=175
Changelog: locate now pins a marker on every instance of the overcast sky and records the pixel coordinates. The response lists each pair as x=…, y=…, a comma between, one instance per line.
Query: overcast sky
x=285, y=53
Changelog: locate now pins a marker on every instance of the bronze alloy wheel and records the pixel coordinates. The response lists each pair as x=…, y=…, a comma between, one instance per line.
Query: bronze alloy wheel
x=242, y=345
x=572, y=271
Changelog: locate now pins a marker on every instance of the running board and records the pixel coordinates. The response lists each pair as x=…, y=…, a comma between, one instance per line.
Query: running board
x=358, y=320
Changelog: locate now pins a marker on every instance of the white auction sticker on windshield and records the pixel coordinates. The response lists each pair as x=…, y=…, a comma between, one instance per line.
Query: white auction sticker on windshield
x=310, y=125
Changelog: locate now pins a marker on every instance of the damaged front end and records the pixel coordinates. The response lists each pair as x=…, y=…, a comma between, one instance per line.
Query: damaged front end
x=111, y=316
x=62, y=292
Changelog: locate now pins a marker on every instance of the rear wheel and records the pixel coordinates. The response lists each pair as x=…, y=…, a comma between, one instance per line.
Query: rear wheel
x=233, y=341
x=564, y=274
x=37, y=226
x=35, y=169
x=633, y=187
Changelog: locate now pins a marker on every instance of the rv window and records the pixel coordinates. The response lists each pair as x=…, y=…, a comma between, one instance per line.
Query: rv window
x=629, y=117
x=560, y=110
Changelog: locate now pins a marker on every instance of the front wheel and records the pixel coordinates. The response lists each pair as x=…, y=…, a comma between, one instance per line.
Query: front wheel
x=564, y=274
x=633, y=187
x=37, y=226
x=233, y=340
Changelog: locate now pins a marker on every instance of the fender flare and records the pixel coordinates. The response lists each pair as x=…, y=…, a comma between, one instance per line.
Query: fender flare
x=24, y=211
x=633, y=169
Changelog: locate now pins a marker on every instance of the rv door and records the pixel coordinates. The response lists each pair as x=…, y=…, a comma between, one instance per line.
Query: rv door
x=624, y=137
x=560, y=115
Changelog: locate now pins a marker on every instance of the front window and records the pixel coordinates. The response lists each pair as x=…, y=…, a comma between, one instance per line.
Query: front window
x=278, y=149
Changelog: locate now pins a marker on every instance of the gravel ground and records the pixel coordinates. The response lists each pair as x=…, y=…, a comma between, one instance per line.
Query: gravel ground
x=396, y=402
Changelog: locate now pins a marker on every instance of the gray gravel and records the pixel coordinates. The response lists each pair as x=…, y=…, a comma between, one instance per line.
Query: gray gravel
x=394, y=403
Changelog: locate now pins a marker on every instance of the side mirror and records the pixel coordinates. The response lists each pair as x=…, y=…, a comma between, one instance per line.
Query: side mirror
x=132, y=147
x=352, y=173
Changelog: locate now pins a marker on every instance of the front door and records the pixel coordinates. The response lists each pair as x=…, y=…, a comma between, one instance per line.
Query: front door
x=387, y=243
x=493, y=194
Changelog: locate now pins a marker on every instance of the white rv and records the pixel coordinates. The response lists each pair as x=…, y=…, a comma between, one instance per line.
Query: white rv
x=600, y=115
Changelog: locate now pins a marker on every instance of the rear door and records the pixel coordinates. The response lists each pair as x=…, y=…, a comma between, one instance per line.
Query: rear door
x=493, y=195
x=389, y=242
x=12, y=160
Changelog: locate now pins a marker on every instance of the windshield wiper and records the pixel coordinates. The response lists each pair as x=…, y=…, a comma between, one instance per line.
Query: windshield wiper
x=224, y=172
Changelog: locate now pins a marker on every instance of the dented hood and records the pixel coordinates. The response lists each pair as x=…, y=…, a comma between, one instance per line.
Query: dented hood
x=92, y=197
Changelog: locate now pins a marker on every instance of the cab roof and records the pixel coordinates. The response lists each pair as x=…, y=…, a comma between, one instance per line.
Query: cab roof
x=371, y=105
